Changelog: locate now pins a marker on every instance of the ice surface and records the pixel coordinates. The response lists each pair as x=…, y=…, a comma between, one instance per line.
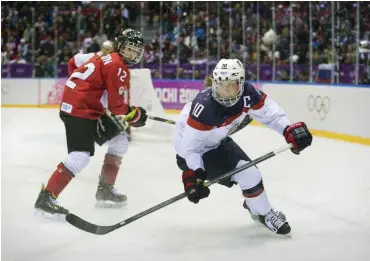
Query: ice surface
x=324, y=192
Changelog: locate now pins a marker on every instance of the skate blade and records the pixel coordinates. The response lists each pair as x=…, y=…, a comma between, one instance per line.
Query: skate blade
x=288, y=235
x=256, y=220
x=109, y=204
x=48, y=216
x=273, y=233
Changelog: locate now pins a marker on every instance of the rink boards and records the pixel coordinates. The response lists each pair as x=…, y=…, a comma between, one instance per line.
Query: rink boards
x=338, y=112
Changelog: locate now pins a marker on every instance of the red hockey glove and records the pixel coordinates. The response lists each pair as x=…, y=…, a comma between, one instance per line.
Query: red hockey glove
x=194, y=186
x=299, y=135
x=136, y=116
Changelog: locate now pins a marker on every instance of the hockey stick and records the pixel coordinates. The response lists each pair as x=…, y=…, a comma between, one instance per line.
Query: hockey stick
x=248, y=119
x=102, y=230
x=154, y=118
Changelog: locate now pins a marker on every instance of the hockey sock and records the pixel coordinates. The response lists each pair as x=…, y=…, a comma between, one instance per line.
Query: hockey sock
x=59, y=180
x=110, y=169
x=257, y=200
x=259, y=205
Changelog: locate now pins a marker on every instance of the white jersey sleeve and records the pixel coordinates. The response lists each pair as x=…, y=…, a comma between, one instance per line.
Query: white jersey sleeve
x=193, y=146
x=189, y=142
x=271, y=115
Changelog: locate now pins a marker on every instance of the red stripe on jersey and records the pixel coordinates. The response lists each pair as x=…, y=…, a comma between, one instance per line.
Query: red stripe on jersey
x=245, y=109
x=229, y=120
x=260, y=104
x=198, y=125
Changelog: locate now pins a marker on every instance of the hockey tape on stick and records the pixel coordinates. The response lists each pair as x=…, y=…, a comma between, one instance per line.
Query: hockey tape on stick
x=102, y=230
x=154, y=118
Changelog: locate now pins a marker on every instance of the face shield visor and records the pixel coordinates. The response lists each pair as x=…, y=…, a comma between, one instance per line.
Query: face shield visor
x=227, y=92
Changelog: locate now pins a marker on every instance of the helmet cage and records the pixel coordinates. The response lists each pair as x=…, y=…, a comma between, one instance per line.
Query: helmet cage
x=132, y=53
x=220, y=87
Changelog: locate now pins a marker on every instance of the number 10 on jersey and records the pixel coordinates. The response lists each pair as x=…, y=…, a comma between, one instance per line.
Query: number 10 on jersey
x=198, y=108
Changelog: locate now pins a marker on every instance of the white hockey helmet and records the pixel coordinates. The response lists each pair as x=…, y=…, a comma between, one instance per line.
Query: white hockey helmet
x=228, y=81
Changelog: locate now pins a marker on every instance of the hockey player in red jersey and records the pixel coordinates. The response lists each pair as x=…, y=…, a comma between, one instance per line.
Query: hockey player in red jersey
x=97, y=82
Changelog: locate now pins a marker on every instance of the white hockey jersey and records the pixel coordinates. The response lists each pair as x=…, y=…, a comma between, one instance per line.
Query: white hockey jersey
x=204, y=123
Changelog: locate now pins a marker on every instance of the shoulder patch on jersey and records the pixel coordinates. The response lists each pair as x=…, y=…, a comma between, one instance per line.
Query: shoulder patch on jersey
x=107, y=59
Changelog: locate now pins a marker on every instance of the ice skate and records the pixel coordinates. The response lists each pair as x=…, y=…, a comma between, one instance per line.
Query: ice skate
x=47, y=205
x=274, y=221
x=108, y=197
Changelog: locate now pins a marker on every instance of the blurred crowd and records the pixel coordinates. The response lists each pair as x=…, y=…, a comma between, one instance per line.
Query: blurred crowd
x=49, y=33
x=227, y=23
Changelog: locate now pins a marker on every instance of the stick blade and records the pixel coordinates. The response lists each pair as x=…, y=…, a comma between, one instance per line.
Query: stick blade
x=86, y=226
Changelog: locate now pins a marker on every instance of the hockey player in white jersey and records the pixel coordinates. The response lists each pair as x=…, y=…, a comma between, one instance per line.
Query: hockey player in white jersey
x=205, y=151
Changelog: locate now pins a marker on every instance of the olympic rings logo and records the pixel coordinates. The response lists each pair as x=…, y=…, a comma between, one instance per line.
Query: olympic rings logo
x=320, y=105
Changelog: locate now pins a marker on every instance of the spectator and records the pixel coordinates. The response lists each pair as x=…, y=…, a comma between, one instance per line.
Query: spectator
x=44, y=67
x=94, y=47
x=23, y=51
x=47, y=47
x=18, y=60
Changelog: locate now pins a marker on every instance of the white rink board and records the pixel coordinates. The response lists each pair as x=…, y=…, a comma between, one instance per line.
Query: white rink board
x=20, y=91
x=40, y=92
x=28, y=91
x=334, y=109
x=343, y=110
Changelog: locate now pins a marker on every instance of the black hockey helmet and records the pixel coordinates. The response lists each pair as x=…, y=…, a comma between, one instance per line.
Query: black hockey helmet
x=130, y=46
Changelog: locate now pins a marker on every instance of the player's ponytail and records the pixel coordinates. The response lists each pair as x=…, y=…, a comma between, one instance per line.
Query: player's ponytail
x=107, y=48
x=207, y=82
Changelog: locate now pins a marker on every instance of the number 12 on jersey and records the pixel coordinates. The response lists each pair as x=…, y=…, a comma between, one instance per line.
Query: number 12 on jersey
x=198, y=108
x=83, y=76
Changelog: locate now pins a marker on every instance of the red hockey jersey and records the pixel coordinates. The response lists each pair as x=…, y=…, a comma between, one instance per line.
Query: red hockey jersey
x=87, y=83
